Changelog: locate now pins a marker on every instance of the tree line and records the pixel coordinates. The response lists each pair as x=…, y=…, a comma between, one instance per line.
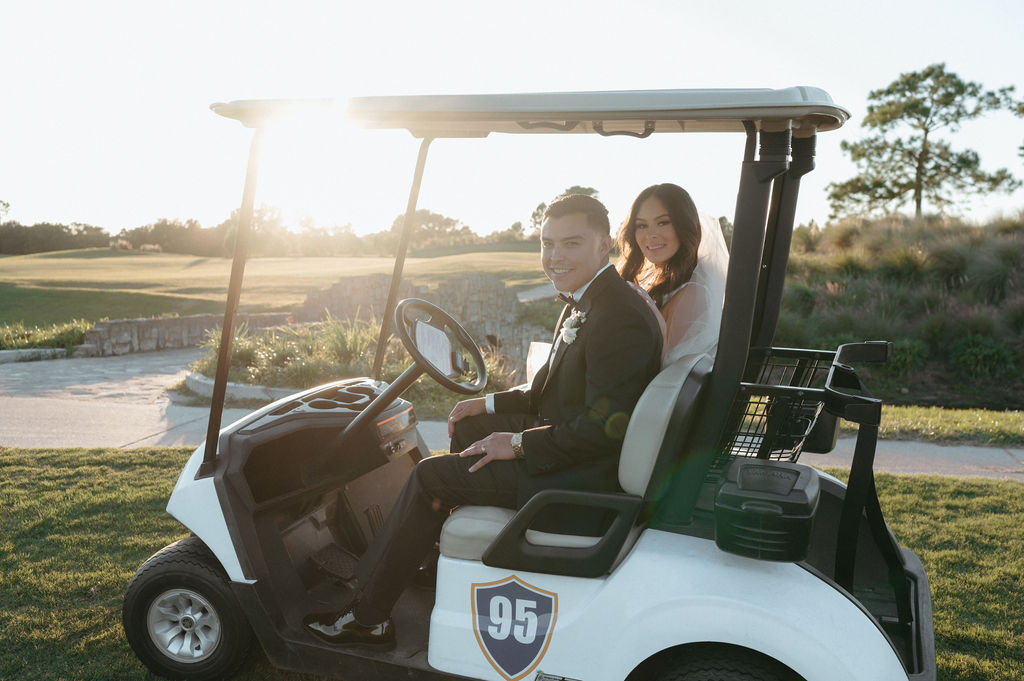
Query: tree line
x=270, y=235
x=906, y=161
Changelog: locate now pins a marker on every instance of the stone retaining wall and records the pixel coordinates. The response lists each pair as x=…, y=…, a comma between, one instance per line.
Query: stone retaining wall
x=488, y=309
x=124, y=336
x=482, y=303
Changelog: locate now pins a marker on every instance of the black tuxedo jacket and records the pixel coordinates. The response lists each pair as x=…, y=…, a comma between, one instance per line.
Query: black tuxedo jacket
x=584, y=401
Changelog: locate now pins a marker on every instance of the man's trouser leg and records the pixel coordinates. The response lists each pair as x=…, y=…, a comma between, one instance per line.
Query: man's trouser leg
x=436, y=486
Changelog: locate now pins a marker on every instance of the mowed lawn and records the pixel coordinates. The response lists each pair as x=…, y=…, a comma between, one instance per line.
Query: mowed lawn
x=77, y=523
x=92, y=284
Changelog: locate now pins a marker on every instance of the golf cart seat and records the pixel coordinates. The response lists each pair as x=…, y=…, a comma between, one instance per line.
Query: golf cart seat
x=470, y=531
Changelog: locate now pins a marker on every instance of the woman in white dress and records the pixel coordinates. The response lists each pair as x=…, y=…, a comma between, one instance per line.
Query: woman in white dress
x=678, y=256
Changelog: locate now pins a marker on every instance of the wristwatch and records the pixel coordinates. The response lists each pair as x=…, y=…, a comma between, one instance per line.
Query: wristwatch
x=517, y=446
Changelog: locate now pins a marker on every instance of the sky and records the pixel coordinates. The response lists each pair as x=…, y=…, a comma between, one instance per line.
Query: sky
x=104, y=115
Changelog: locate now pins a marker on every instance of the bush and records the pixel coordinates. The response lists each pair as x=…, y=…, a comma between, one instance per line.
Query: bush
x=1015, y=316
x=907, y=355
x=987, y=278
x=799, y=298
x=980, y=356
x=793, y=331
x=903, y=263
x=807, y=238
x=17, y=336
x=307, y=356
x=947, y=262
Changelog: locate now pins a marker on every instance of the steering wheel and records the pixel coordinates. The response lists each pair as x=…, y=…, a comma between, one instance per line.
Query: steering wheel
x=420, y=322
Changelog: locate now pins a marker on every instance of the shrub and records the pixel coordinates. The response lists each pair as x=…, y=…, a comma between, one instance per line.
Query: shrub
x=907, y=355
x=947, y=262
x=849, y=264
x=807, y=238
x=17, y=336
x=795, y=332
x=842, y=236
x=975, y=356
x=903, y=263
x=987, y=277
x=934, y=331
x=306, y=356
x=799, y=298
x=1015, y=315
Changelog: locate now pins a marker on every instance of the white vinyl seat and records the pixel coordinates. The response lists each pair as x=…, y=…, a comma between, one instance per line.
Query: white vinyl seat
x=469, y=530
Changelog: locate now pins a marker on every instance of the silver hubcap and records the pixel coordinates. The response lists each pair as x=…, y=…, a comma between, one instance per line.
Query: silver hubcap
x=183, y=625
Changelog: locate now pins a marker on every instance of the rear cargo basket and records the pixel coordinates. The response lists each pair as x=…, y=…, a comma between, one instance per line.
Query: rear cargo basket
x=773, y=414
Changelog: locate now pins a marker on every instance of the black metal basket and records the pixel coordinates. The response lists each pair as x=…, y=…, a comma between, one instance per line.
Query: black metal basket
x=775, y=410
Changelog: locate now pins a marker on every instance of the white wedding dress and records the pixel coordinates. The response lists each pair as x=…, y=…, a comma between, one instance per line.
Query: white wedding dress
x=693, y=312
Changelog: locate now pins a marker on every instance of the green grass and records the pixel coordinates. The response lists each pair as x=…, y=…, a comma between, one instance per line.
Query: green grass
x=47, y=288
x=953, y=426
x=78, y=522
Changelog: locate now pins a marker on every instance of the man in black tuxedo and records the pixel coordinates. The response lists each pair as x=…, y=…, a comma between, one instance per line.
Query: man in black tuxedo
x=563, y=432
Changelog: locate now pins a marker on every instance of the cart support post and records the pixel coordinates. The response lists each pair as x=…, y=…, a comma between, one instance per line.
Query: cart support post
x=778, y=238
x=227, y=333
x=403, y=246
x=752, y=204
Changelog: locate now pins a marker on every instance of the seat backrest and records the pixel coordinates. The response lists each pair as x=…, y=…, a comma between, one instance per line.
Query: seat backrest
x=647, y=425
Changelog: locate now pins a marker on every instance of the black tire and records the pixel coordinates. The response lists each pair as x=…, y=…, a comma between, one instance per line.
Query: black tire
x=721, y=664
x=180, y=616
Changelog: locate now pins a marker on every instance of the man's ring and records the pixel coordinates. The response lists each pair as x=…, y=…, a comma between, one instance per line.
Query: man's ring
x=483, y=450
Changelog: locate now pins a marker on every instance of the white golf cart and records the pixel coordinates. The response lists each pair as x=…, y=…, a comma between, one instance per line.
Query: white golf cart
x=725, y=559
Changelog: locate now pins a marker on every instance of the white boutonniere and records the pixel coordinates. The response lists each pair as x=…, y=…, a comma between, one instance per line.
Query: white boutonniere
x=571, y=326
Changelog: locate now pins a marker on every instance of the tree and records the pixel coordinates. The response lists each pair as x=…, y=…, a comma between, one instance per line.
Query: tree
x=4, y=208
x=537, y=216
x=919, y=167
x=433, y=229
x=1018, y=109
x=576, y=189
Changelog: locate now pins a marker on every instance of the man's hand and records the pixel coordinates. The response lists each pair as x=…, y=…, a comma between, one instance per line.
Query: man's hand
x=494, y=447
x=471, y=407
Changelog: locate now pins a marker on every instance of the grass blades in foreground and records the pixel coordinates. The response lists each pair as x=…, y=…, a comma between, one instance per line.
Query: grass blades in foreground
x=78, y=522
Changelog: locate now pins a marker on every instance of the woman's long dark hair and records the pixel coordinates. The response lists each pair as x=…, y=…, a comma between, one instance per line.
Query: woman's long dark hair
x=665, y=278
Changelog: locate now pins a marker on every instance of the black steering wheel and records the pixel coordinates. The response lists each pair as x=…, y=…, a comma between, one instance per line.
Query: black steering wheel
x=418, y=321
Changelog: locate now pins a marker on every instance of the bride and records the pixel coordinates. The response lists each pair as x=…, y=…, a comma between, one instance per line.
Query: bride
x=677, y=256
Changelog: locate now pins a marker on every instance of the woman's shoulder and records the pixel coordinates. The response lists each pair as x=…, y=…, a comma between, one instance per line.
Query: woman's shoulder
x=682, y=290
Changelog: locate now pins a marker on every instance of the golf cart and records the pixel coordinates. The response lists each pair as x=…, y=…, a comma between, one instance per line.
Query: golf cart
x=725, y=558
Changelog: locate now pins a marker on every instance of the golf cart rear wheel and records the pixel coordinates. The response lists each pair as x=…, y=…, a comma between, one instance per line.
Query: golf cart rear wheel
x=723, y=664
x=180, y=616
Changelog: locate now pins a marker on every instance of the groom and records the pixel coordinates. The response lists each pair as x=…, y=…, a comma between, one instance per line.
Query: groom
x=564, y=432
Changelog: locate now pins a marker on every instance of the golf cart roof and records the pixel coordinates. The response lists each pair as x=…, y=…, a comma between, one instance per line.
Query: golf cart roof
x=626, y=112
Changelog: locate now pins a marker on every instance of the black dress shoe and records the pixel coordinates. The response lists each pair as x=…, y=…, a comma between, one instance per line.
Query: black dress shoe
x=343, y=630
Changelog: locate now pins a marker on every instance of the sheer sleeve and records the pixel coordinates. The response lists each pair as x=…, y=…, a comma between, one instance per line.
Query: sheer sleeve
x=693, y=312
x=686, y=320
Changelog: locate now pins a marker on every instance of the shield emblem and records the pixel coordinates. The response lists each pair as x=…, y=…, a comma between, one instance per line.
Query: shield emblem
x=513, y=622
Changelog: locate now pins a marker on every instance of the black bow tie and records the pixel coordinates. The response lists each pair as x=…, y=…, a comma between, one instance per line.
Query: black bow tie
x=568, y=300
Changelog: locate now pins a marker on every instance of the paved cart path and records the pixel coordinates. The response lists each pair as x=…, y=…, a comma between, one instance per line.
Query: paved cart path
x=101, y=402
x=124, y=402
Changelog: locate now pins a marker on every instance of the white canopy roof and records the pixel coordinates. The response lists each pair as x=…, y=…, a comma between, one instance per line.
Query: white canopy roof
x=636, y=112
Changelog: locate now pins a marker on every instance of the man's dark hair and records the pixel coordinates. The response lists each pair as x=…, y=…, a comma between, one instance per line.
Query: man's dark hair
x=597, y=214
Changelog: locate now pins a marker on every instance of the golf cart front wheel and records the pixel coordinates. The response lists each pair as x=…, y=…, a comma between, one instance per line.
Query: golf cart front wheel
x=180, y=616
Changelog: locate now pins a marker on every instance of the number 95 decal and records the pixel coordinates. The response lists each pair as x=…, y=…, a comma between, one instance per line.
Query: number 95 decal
x=513, y=622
